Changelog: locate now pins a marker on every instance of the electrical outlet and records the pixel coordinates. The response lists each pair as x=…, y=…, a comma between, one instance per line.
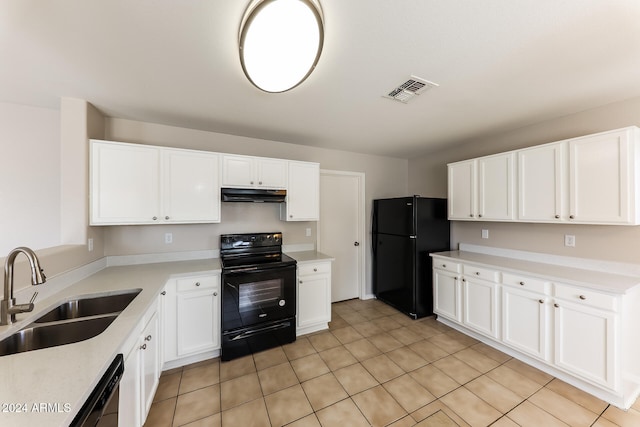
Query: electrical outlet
x=485, y=234
x=168, y=238
x=90, y=244
x=308, y=232
x=569, y=240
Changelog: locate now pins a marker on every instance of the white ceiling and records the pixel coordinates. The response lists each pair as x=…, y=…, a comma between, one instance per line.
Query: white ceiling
x=500, y=64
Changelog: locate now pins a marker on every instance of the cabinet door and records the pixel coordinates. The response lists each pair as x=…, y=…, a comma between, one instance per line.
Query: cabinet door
x=191, y=186
x=525, y=319
x=495, y=187
x=124, y=186
x=480, y=306
x=599, y=178
x=238, y=171
x=129, y=402
x=314, y=299
x=149, y=358
x=198, y=321
x=540, y=183
x=462, y=190
x=446, y=295
x=271, y=173
x=585, y=342
x=303, y=192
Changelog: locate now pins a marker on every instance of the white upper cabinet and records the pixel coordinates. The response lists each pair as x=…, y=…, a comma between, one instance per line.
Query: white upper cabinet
x=588, y=180
x=495, y=187
x=462, y=190
x=601, y=178
x=124, y=186
x=191, y=186
x=140, y=184
x=482, y=189
x=540, y=182
x=249, y=172
x=303, y=193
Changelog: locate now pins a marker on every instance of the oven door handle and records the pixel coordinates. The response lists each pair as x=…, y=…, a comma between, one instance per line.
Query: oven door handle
x=252, y=332
x=240, y=270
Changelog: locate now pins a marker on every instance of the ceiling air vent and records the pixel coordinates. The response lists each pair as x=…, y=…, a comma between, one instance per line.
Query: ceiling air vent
x=409, y=89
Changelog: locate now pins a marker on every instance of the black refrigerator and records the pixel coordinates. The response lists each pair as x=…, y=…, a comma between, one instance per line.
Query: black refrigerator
x=404, y=232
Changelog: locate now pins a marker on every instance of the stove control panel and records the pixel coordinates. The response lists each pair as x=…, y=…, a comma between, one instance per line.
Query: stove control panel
x=250, y=240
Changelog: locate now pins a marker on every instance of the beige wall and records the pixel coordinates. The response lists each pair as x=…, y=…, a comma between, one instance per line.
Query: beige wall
x=428, y=176
x=29, y=177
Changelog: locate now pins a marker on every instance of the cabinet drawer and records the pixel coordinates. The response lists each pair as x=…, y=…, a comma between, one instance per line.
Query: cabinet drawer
x=314, y=268
x=525, y=282
x=481, y=273
x=196, y=283
x=587, y=297
x=446, y=265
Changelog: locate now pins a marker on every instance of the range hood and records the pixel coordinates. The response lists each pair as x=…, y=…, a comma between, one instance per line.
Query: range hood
x=253, y=195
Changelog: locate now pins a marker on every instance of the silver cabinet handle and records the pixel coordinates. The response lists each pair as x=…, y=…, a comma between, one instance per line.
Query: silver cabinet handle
x=479, y=215
x=299, y=281
x=143, y=347
x=197, y=283
x=147, y=338
x=251, y=182
x=556, y=305
x=571, y=217
x=166, y=217
x=477, y=273
x=163, y=293
x=582, y=297
x=521, y=283
x=290, y=216
x=557, y=216
x=215, y=294
x=315, y=269
x=444, y=265
x=541, y=301
x=155, y=218
x=259, y=182
x=471, y=215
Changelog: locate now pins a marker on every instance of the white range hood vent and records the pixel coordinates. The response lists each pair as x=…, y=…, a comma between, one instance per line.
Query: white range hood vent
x=410, y=89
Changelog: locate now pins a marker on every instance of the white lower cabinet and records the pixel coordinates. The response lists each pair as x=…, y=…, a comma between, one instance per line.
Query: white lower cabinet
x=583, y=336
x=480, y=299
x=447, y=291
x=585, y=339
x=526, y=315
x=314, y=297
x=192, y=319
x=141, y=371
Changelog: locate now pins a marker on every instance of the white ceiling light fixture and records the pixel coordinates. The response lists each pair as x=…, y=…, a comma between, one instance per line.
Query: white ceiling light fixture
x=280, y=42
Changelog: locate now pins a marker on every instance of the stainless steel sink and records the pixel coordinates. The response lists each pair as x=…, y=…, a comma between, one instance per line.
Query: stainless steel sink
x=35, y=337
x=90, y=306
x=73, y=321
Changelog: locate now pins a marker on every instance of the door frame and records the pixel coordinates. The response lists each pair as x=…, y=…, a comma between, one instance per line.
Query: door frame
x=361, y=232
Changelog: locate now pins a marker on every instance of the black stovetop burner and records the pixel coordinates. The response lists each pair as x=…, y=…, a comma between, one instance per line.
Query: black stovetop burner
x=249, y=250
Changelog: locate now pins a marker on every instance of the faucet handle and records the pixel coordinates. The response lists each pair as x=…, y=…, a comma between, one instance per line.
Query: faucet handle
x=33, y=298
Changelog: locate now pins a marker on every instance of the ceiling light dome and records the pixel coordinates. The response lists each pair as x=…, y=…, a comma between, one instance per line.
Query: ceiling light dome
x=280, y=42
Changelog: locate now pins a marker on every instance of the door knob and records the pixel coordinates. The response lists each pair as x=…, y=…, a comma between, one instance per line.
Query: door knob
x=356, y=243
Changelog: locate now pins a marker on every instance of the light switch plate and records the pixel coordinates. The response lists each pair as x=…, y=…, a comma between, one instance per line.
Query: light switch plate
x=485, y=234
x=570, y=240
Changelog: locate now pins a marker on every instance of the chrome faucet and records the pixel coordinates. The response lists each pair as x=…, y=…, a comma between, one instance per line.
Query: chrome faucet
x=8, y=306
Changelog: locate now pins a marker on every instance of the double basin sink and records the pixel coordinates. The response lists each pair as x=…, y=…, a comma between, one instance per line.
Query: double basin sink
x=73, y=321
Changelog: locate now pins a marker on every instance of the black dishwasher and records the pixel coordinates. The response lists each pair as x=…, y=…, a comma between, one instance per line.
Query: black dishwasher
x=104, y=395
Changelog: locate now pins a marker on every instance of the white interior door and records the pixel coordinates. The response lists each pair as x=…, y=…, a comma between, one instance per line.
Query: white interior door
x=341, y=231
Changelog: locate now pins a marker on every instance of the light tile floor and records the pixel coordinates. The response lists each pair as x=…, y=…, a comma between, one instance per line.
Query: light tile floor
x=376, y=367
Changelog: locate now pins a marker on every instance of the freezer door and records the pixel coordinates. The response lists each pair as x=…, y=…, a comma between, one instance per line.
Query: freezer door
x=394, y=216
x=394, y=271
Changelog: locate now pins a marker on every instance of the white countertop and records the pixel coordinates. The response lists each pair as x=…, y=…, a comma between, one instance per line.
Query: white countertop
x=597, y=280
x=65, y=375
x=309, y=256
